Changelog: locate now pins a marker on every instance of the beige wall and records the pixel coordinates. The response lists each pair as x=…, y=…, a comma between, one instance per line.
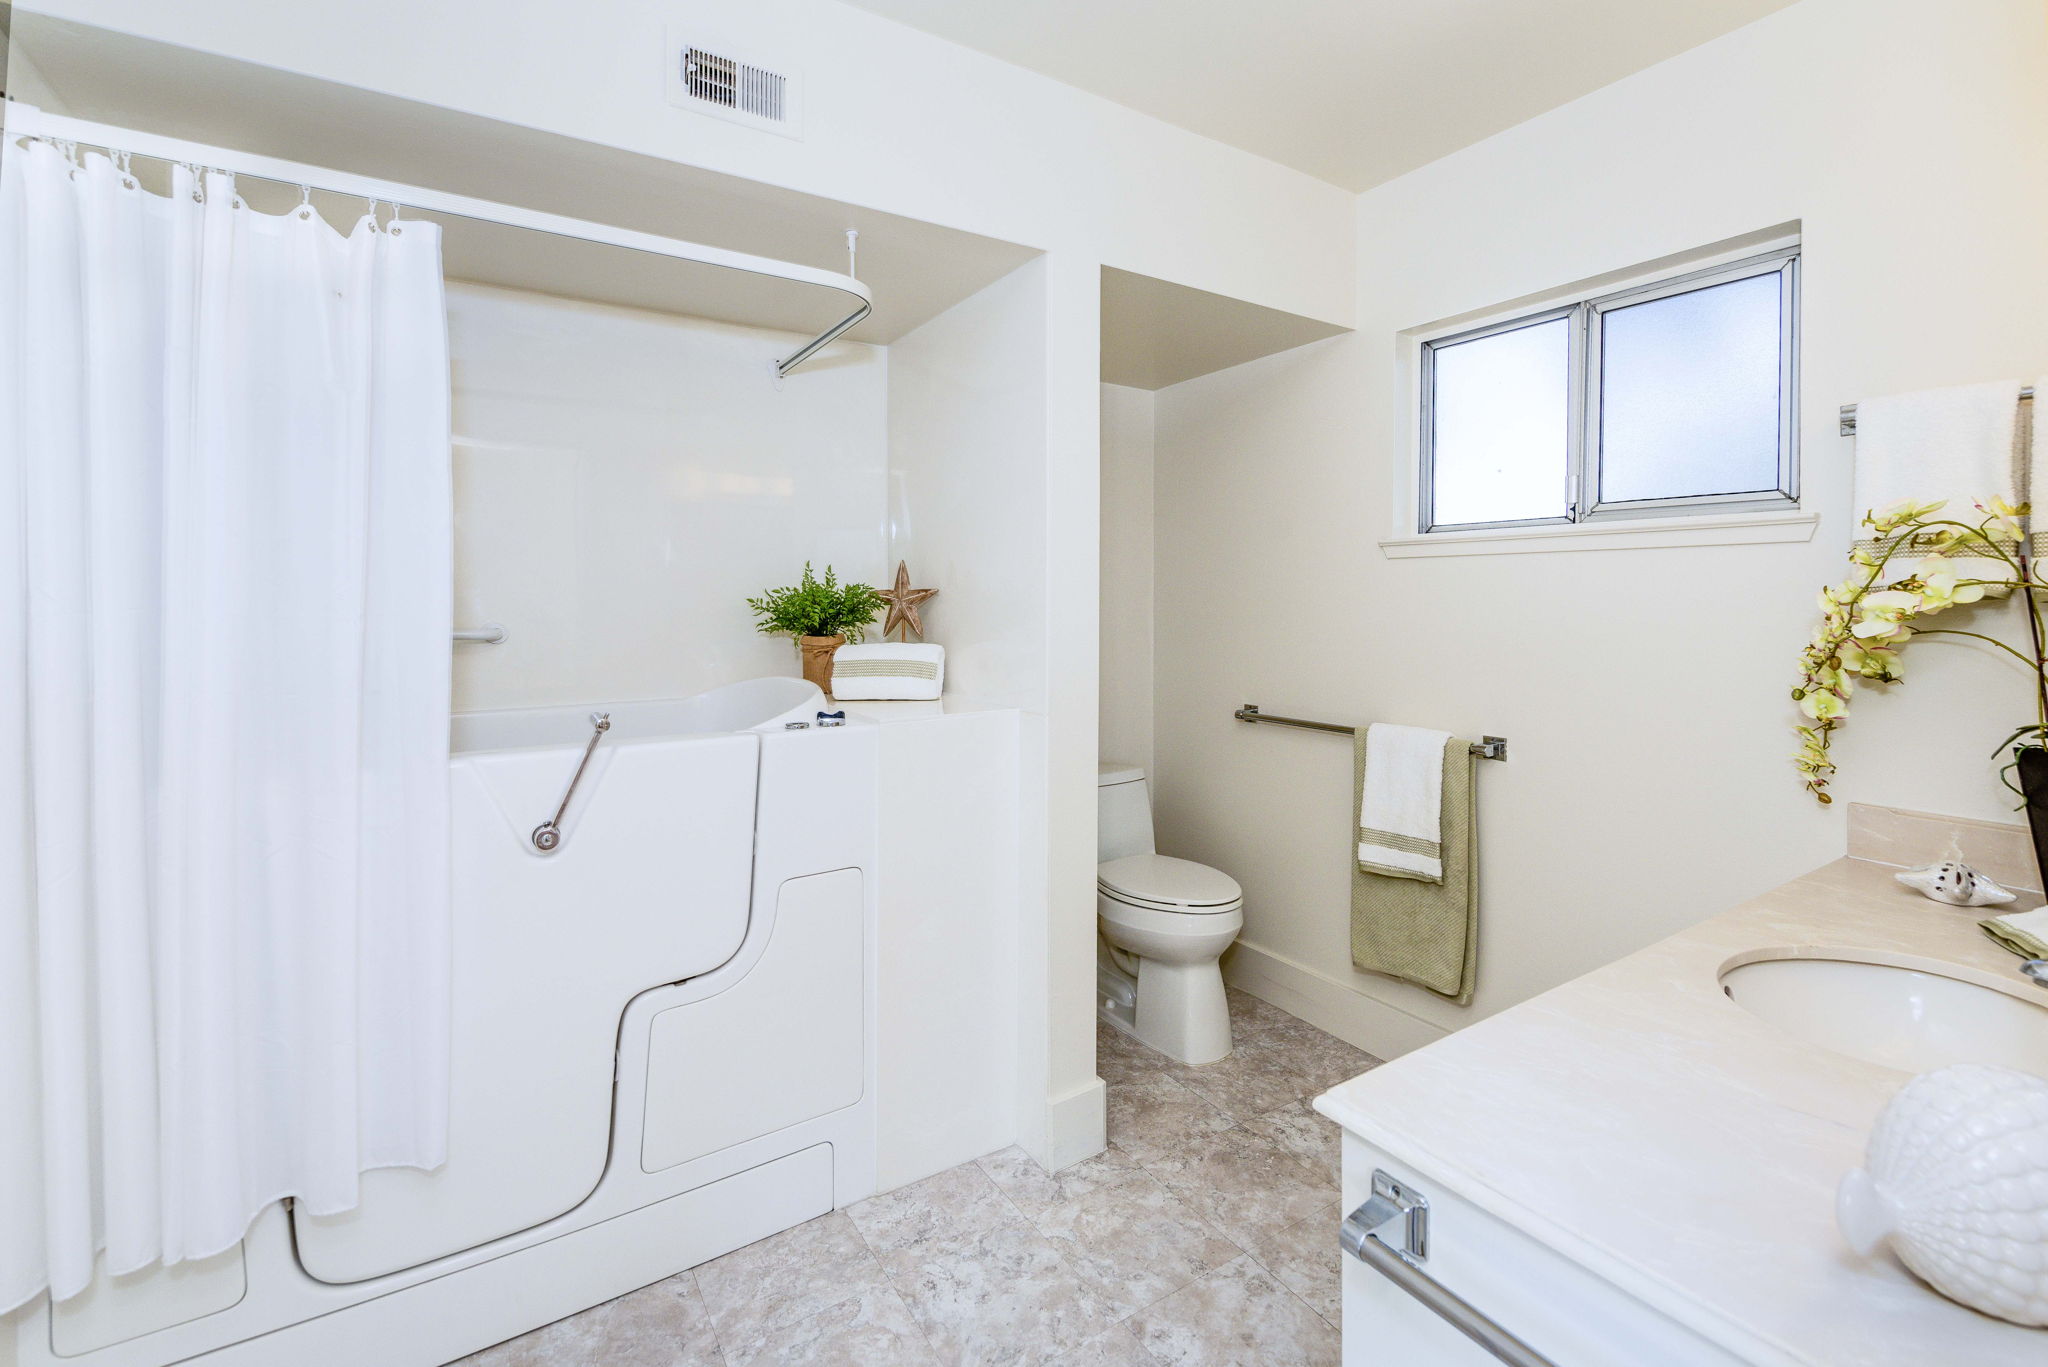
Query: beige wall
x=1643, y=691
x=1127, y=558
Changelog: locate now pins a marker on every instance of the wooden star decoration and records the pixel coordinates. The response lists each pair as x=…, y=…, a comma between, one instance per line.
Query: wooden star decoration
x=903, y=602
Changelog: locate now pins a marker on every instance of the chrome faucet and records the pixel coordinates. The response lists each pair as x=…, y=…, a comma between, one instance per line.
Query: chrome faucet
x=2037, y=969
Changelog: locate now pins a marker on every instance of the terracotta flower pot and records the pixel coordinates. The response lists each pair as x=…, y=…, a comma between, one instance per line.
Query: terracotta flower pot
x=817, y=653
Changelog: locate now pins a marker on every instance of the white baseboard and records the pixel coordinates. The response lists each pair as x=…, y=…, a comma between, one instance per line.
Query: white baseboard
x=1327, y=1003
x=1076, y=1126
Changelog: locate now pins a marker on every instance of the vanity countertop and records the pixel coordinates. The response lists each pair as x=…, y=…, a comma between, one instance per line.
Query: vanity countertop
x=1644, y=1125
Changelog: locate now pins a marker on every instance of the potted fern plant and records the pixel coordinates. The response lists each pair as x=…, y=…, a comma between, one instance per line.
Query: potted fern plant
x=822, y=614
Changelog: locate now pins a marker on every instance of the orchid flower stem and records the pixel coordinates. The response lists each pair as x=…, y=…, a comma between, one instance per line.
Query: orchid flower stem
x=2032, y=664
x=2034, y=625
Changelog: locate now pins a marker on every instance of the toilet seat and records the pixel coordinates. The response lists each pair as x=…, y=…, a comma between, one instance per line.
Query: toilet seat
x=1158, y=882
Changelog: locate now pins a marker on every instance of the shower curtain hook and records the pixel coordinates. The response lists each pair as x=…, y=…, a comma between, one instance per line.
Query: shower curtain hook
x=305, y=202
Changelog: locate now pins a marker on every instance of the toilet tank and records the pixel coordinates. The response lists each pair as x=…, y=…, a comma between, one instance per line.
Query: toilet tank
x=1123, y=813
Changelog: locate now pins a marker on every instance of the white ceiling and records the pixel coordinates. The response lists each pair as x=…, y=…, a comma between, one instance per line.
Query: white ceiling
x=1353, y=91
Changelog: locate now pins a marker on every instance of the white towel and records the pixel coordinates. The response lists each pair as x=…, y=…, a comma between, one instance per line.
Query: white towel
x=1954, y=445
x=1401, y=813
x=910, y=670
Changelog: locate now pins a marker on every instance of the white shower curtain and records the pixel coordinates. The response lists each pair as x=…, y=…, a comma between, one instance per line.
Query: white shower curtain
x=225, y=584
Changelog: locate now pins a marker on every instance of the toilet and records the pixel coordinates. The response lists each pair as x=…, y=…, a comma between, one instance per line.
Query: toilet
x=1164, y=924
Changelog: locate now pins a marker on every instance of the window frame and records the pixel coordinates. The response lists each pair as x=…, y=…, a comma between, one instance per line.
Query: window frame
x=1583, y=381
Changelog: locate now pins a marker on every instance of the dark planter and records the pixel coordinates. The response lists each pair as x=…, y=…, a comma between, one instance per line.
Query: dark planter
x=2033, y=773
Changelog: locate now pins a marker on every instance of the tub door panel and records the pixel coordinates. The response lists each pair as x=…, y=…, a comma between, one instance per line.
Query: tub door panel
x=650, y=885
x=782, y=1045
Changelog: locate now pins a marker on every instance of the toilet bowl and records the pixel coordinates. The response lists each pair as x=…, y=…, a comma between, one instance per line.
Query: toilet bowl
x=1165, y=922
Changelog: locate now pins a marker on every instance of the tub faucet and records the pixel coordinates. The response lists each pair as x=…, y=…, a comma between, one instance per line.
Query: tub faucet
x=2037, y=969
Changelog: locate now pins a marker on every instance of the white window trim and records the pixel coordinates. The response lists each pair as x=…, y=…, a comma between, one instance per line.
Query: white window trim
x=1613, y=534
x=1706, y=520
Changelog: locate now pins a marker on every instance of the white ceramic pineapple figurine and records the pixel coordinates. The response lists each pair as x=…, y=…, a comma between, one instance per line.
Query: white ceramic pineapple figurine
x=1956, y=1178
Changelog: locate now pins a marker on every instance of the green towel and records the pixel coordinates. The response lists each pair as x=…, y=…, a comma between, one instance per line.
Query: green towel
x=1426, y=933
x=2018, y=939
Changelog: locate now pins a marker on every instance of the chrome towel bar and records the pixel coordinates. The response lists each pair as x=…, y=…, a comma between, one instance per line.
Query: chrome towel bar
x=1403, y=1267
x=1486, y=747
x=1848, y=413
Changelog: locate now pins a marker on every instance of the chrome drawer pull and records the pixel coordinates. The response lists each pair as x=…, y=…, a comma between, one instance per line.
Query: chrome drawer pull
x=1403, y=1267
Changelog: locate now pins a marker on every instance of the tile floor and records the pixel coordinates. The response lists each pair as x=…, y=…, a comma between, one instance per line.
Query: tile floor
x=1205, y=1236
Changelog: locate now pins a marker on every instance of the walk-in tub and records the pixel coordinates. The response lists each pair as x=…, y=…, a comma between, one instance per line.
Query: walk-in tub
x=663, y=1047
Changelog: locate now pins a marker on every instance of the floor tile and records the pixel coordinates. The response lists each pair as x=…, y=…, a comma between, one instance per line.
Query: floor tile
x=1237, y=1316
x=1322, y=1059
x=1253, y=1079
x=1134, y=1240
x=1120, y=1058
x=1033, y=1190
x=874, y=1329
x=1153, y=1118
x=1306, y=1260
x=1117, y=1348
x=663, y=1325
x=1313, y=1138
x=1245, y=1185
x=787, y=1277
x=1253, y=1019
x=958, y=1200
x=1000, y=1297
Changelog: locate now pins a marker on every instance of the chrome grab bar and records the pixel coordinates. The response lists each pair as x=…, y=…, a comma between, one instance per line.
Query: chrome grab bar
x=547, y=837
x=1403, y=1267
x=1486, y=747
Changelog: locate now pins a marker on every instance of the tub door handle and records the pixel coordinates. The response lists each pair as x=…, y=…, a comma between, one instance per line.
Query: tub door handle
x=1402, y=1266
x=547, y=837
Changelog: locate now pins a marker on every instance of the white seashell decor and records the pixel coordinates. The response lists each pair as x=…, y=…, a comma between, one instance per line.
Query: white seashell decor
x=1956, y=1179
x=1955, y=883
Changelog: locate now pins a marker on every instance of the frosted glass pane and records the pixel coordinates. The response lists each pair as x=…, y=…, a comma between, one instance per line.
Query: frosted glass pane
x=1689, y=393
x=1498, y=406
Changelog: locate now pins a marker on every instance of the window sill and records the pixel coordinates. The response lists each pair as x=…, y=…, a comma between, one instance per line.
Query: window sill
x=1732, y=529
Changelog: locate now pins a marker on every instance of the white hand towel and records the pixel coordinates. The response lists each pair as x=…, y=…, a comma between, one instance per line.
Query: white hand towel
x=1955, y=445
x=1401, y=813
x=909, y=670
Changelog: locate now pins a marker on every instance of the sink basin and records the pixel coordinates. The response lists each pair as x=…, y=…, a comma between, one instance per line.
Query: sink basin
x=1911, y=1019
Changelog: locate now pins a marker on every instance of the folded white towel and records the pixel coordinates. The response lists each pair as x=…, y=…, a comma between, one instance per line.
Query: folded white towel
x=1954, y=445
x=1401, y=813
x=910, y=670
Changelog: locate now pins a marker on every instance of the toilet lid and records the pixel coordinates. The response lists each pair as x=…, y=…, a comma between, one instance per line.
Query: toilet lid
x=1162, y=880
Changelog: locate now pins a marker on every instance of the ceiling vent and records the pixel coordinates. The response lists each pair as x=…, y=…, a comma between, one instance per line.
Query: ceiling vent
x=715, y=78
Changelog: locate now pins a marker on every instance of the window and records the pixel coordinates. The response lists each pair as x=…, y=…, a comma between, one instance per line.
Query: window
x=1672, y=397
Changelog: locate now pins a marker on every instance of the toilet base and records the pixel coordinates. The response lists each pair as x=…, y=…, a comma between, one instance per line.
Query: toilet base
x=1182, y=1011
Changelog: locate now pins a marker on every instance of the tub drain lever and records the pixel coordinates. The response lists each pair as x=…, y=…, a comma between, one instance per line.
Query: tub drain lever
x=547, y=837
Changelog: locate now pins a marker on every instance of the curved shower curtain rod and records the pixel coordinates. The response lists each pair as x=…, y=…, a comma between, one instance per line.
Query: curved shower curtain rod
x=27, y=120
